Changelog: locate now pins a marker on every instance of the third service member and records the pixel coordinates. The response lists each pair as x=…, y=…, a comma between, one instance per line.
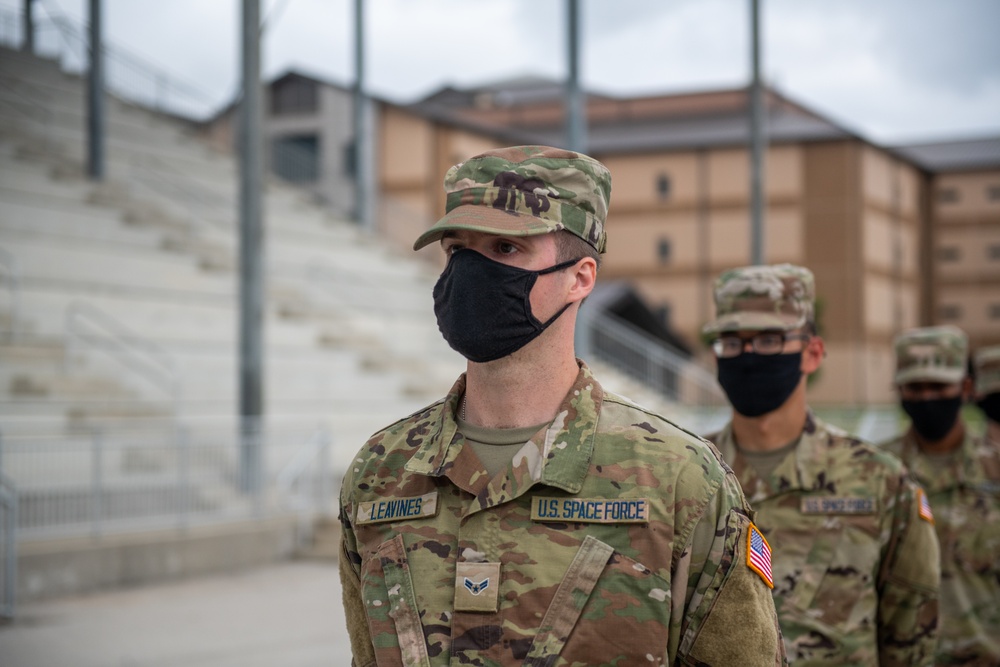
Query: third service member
x=855, y=560
x=961, y=475
x=530, y=517
x=987, y=368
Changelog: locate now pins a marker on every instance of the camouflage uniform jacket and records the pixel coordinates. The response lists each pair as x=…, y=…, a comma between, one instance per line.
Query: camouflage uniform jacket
x=613, y=537
x=965, y=499
x=855, y=567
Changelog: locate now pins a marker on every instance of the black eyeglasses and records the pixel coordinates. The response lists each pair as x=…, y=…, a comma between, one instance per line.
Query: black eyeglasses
x=767, y=342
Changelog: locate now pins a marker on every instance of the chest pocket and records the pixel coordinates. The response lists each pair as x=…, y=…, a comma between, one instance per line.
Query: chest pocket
x=825, y=573
x=974, y=526
x=608, y=609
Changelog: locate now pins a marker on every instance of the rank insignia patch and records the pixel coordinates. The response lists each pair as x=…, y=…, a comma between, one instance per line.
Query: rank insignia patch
x=925, y=507
x=477, y=588
x=759, y=555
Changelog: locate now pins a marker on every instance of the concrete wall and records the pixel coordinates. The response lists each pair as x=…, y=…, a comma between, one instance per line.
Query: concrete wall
x=57, y=568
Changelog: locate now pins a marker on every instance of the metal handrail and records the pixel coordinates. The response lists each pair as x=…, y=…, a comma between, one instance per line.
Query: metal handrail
x=8, y=505
x=129, y=76
x=651, y=357
x=318, y=446
x=9, y=264
x=138, y=354
x=365, y=294
x=161, y=178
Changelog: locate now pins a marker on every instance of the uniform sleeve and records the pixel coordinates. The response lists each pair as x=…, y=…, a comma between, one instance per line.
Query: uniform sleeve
x=727, y=616
x=909, y=583
x=362, y=649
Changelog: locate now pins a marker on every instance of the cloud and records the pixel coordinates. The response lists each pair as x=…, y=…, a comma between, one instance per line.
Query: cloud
x=885, y=67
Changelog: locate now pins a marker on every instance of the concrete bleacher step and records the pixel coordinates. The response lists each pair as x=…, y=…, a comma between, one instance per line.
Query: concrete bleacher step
x=325, y=542
x=350, y=336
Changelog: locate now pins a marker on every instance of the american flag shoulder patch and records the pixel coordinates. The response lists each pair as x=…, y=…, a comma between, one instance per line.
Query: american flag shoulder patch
x=925, y=507
x=759, y=555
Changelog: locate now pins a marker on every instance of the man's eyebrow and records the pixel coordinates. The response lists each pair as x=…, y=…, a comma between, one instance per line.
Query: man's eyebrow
x=449, y=234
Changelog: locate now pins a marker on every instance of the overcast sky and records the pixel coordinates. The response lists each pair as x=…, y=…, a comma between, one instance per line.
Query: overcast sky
x=892, y=70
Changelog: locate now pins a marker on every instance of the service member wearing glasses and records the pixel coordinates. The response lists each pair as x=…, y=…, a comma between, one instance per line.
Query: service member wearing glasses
x=854, y=553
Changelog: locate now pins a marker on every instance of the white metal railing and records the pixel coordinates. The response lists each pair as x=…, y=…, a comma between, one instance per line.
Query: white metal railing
x=10, y=272
x=8, y=546
x=648, y=359
x=126, y=75
x=115, y=480
x=304, y=482
x=86, y=324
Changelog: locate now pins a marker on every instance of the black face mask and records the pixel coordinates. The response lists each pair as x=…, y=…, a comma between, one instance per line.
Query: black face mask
x=990, y=405
x=759, y=383
x=483, y=307
x=933, y=419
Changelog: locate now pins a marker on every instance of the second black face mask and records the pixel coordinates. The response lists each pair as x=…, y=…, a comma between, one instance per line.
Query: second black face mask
x=933, y=419
x=990, y=405
x=483, y=307
x=759, y=383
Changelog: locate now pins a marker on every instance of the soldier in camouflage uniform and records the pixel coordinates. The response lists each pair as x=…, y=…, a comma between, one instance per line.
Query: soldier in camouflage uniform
x=987, y=369
x=531, y=517
x=855, y=563
x=961, y=475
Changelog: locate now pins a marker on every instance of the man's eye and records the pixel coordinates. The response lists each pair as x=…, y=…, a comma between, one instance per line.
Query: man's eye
x=505, y=248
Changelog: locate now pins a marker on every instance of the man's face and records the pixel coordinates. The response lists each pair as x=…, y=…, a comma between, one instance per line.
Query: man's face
x=771, y=343
x=929, y=391
x=533, y=253
x=933, y=407
x=526, y=252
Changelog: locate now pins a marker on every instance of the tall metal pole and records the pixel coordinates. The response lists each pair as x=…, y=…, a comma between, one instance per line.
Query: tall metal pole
x=28, y=19
x=251, y=289
x=576, y=112
x=95, y=97
x=362, y=126
x=756, y=144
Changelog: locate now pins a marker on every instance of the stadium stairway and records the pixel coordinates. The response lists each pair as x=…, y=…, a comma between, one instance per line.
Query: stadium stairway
x=150, y=254
x=351, y=342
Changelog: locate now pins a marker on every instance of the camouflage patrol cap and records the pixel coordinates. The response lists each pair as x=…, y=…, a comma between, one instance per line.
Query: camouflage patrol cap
x=524, y=191
x=780, y=296
x=987, y=365
x=931, y=354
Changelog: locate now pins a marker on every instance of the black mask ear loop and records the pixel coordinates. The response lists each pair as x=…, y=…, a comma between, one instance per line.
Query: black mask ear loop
x=553, y=269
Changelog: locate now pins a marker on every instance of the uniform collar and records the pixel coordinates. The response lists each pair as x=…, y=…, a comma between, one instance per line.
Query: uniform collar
x=805, y=467
x=965, y=465
x=560, y=455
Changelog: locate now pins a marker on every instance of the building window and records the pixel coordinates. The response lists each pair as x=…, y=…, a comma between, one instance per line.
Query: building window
x=663, y=187
x=663, y=251
x=993, y=193
x=294, y=96
x=949, y=312
x=947, y=196
x=948, y=253
x=994, y=252
x=995, y=311
x=295, y=158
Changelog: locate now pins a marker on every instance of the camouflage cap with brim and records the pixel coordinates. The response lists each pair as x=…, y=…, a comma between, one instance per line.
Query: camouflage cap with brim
x=526, y=191
x=759, y=298
x=931, y=354
x=987, y=367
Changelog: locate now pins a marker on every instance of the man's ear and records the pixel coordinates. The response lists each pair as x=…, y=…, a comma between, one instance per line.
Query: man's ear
x=968, y=389
x=813, y=354
x=584, y=276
